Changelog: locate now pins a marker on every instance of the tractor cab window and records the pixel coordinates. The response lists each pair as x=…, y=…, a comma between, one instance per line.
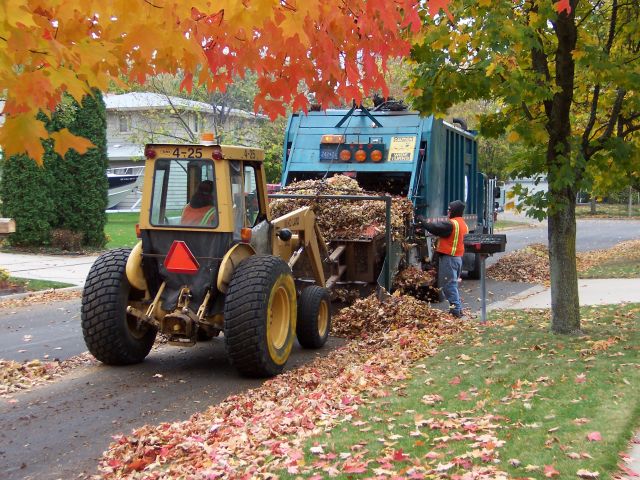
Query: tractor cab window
x=244, y=193
x=184, y=193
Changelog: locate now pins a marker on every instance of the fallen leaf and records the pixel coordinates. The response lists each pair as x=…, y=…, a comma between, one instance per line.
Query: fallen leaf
x=550, y=471
x=582, y=473
x=594, y=436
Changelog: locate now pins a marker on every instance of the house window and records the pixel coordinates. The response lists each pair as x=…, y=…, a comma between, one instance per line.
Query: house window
x=125, y=124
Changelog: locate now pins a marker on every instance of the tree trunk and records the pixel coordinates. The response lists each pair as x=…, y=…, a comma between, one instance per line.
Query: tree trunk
x=565, y=306
x=593, y=204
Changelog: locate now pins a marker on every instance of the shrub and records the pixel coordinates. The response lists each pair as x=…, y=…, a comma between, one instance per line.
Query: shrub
x=66, y=240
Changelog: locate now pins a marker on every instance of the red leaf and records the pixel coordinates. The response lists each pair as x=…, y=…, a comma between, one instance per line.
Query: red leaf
x=581, y=378
x=563, y=5
x=455, y=380
x=594, y=436
x=550, y=471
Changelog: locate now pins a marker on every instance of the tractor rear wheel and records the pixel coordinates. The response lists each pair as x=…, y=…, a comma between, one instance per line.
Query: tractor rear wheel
x=314, y=317
x=112, y=335
x=260, y=316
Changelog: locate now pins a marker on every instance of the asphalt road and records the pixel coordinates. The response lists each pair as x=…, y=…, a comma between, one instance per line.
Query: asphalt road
x=59, y=430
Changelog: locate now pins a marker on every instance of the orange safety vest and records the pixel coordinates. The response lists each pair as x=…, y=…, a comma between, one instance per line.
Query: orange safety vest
x=198, y=216
x=454, y=244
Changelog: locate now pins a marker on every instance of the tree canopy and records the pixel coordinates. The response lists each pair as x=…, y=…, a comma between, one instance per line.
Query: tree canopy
x=336, y=49
x=567, y=84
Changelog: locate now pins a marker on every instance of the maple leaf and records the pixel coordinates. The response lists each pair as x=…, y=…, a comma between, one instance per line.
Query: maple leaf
x=582, y=473
x=563, y=6
x=581, y=378
x=594, y=436
x=455, y=380
x=550, y=471
x=64, y=140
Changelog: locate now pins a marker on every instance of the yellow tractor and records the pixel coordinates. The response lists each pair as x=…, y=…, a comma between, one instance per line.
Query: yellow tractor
x=209, y=260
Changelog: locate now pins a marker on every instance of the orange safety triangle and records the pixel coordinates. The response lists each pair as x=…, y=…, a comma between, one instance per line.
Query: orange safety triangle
x=180, y=259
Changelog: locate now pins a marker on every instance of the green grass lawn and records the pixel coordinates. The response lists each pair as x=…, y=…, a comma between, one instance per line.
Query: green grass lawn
x=620, y=268
x=501, y=224
x=32, y=285
x=511, y=398
x=606, y=210
x=121, y=229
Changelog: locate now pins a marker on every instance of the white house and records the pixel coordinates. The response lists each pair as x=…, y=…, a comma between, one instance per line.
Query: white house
x=137, y=118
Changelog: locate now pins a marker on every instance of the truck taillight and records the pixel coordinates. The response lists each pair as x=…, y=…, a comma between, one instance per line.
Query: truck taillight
x=376, y=155
x=345, y=155
x=360, y=155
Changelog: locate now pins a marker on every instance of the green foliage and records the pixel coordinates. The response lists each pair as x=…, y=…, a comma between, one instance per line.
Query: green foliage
x=25, y=189
x=81, y=183
x=68, y=193
x=489, y=54
x=271, y=139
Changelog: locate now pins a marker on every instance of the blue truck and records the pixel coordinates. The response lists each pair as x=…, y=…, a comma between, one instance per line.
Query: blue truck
x=394, y=150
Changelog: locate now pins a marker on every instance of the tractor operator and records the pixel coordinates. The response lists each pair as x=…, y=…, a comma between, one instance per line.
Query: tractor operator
x=450, y=248
x=201, y=209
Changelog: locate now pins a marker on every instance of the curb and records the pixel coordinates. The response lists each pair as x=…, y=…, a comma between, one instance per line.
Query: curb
x=18, y=296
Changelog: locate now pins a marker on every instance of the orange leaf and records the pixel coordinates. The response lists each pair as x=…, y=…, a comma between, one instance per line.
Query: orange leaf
x=550, y=471
x=65, y=140
x=454, y=381
x=22, y=134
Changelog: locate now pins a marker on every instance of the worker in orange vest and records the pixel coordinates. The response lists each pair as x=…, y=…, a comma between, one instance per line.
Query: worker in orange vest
x=201, y=209
x=450, y=249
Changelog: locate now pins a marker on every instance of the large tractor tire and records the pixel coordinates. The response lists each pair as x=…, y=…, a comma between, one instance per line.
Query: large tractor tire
x=110, y=333
x=260, y=316
x=314, y=317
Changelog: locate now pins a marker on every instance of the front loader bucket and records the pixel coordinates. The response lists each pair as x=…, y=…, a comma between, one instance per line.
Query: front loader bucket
x=392, y=260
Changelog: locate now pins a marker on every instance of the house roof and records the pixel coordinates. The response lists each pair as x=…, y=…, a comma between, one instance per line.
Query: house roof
x=155, y=101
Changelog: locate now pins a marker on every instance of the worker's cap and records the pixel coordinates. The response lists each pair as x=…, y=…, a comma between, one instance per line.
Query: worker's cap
x=206, y=186
x=456, y=208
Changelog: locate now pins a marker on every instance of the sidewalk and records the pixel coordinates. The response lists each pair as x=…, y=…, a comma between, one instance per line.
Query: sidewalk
x=67, y=269
x=590, y=291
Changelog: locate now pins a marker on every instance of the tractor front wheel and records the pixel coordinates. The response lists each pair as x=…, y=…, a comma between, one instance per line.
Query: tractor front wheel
x=112, y=335
x=260, y=316
x=314, y=317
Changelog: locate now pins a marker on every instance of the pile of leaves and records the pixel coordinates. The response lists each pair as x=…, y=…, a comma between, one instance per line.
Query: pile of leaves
x=46, y=296
x=17, y=377
x=530, y=264
x=421, y=284
x=263, y=430
x=624, y=250
x=345, y=219
x=370, y=316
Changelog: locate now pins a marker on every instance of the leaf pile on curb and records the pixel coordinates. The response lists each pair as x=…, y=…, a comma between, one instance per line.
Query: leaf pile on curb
x=18, y=377
x=46, y=296
x=530, y=264
x=625, y=250
x=344, y=219
x=263, y=430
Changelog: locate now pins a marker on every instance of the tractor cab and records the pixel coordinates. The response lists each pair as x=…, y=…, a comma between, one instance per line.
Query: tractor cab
x=213, y=187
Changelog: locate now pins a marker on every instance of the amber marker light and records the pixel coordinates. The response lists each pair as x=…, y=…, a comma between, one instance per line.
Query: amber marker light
x=376, y=156
x=207, y=138
x=138, y=232
x=345, y=155
x=360, y=156
x=245, y=235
